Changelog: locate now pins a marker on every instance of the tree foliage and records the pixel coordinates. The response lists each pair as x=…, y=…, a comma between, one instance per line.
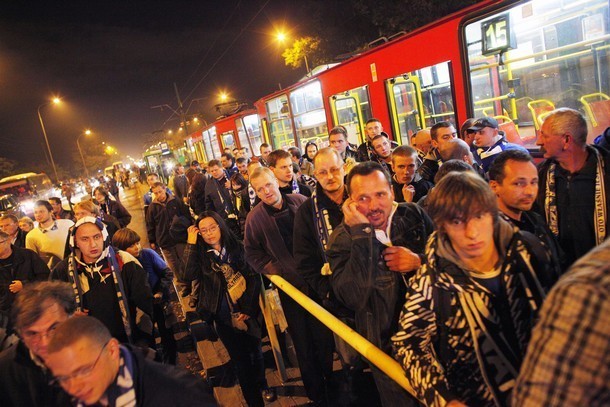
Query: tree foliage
x=7, y=167
x=304, y=47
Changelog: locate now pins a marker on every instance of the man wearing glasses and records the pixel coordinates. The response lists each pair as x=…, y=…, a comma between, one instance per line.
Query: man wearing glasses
x=94, y=368
x=24, y=379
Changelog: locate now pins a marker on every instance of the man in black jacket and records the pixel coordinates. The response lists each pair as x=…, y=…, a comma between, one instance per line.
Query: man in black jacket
x=109, y=285
x=9, y=224
x=378, y=242
x=93, y=367
x=24, y=378
x=17, y=267
x=162, y=211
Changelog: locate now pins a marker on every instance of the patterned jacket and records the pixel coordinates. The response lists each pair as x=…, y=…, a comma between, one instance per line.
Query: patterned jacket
x=464, y=353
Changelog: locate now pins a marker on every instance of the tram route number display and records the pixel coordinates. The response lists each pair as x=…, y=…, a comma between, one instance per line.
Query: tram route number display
x=496, y=35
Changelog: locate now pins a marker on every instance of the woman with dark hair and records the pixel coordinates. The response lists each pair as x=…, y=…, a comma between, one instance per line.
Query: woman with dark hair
x=241, y=200
x=111, y=207
x=228, y=297
x=311, y=149
x=196, y=196
x=160, y=281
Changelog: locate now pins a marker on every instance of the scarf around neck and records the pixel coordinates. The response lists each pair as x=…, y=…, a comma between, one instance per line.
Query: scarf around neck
x=599, y=213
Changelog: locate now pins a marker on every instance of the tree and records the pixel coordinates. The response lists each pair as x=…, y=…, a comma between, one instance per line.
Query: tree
x=7, y=167
x=305, y=48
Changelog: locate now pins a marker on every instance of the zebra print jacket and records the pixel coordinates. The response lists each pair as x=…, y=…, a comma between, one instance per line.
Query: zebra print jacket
x=468, y=352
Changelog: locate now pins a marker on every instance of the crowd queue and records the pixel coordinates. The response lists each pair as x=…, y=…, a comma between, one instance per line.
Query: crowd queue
x=485, y=276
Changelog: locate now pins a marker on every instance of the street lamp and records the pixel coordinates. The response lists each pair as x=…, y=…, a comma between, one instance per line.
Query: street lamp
x=87, y=132
x=44, y=133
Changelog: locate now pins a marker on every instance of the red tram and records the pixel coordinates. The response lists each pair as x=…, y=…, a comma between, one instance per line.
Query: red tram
x=514, y=60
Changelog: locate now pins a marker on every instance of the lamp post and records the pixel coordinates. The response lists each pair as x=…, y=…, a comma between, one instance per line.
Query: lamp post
x=44, y=133
x=87, y=132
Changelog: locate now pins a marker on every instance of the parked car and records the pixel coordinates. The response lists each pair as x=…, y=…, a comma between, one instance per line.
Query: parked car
x=9, y=205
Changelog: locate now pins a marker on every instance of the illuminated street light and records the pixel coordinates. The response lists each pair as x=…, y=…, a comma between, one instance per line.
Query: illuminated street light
x=87, y=133
x=224, y=96
x=55, y=101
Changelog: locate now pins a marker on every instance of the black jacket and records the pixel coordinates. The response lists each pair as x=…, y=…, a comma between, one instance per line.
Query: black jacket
x=159, y=218
x=199, y=266
x=102, y=302
x=309, y=253
x=27, y=267
x=117, y=210
x=24, y=383
x=360, y=278
x=421, y=189
x=159, y=385
x=20, y=239
x=218, y=198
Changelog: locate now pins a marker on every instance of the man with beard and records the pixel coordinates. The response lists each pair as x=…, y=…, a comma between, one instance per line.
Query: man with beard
x=378, y=242
x=407, y=184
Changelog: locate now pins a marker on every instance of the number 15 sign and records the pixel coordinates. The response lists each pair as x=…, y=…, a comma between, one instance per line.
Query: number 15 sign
x=496, y=35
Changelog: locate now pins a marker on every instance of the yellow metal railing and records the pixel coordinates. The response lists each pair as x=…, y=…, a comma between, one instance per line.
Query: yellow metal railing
x=373, y=354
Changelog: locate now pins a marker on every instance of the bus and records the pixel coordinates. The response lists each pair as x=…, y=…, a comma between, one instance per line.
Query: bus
x=513, y=60
x=28, y=188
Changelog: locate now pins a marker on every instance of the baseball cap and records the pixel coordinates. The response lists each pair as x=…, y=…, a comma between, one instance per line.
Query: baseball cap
x=484, y=122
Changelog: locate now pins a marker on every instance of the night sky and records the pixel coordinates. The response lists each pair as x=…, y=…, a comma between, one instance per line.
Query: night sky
x=111, y=61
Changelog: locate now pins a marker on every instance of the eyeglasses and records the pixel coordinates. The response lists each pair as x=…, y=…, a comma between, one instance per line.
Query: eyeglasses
x=334, y=171
x=80, y=373
x=211, y=229
x=36, y=337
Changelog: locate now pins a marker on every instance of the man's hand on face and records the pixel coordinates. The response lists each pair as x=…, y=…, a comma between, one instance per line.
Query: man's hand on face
x=408, y=192
x=351, y=215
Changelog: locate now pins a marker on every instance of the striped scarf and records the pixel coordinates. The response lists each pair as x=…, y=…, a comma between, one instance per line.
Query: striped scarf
x=599, y=214
x=80, y=282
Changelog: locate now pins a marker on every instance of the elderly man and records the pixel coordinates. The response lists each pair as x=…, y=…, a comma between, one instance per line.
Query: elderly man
x=24, y=378
x=95, y=369
x=470, y=309
x=269, y=244
x=407, y=184
x=9, y=224
x=574, y=183
x=378, y=242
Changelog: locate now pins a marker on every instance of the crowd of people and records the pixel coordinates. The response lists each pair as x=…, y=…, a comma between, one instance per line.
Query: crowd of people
x=484, y=276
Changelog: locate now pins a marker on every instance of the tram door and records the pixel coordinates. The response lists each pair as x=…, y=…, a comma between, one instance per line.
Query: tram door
x=352, y=109
x=406, y=107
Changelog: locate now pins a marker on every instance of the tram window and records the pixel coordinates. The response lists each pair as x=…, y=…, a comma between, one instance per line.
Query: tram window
x=419, y=99
x=249, y=133
x=280, y=125
x=352, y=109
x=228, y=140
x=309, y=116
x=555, y=55
x=210, y=143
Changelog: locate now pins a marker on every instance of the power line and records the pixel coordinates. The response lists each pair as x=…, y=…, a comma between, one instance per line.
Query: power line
x=228, y=48
x=212, y=46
